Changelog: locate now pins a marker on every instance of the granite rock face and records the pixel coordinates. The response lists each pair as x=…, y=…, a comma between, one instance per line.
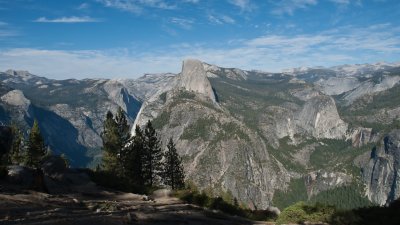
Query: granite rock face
x=370, y=87
x=16, y=98
x=362, y=136
x=319, y=181
x=234, y=160
x=382, y=172
x=320, y=118
x=194, y=78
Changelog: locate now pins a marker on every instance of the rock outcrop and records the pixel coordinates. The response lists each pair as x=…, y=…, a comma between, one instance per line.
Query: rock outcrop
x=362, y=136
x=194, y=78
x=382, y=172
x=320, y=118
x=319, y=181
x=16, y=98
x=370, y=87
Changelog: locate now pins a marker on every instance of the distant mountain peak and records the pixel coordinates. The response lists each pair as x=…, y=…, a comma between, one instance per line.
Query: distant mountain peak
x=23, y=73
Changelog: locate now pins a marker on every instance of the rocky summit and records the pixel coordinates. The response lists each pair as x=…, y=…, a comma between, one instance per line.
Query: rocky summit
x=193, y=78
x=305, y=133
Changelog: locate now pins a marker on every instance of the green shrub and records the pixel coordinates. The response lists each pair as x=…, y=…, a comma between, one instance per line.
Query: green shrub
x=193, y=196
x=302, y=212
x=293, y=214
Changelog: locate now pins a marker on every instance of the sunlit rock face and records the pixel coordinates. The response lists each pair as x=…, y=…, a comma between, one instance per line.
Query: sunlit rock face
x=194, y=78
x=16, y=98
x=320, y=118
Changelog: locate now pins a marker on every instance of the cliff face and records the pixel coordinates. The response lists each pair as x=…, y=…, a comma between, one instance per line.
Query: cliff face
x=219, y=152
x=221, y=144
x=193, y=78
x=320, y=118
x=382, y=173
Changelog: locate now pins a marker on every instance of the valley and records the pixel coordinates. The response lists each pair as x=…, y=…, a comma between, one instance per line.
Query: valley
x=258, y=136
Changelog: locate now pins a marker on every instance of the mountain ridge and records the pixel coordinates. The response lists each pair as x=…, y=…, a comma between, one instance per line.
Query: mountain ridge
x=266, y=131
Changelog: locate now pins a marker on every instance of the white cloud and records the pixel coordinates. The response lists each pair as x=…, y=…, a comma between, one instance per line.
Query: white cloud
x=162, y=4
x=183, y=23
x=7, y=31
x=83, y=6
x=269, y=53
x=71, y=19
x=244, y=5
x=191, y=1
x=290, y=6
x=221, y=19
x=124, y=5
x=228, y=19
x=136, y=6
x=345, y=2
x=379, y=38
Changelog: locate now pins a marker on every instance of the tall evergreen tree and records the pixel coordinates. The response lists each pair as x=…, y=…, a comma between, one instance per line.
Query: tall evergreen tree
x=36, y=149
x=133, y=160
x=116, y=136
x=173, y=170
x=152, y=166
x=123, y=133
x=110, y=144
x=16, y=154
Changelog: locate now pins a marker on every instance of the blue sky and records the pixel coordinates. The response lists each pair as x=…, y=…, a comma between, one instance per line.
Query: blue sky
x=127, y=38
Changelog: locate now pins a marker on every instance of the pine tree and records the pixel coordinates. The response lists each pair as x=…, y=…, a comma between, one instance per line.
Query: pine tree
x=152, y=166
x=173, y=170
x=123, y=133
x=110, y=144
x=36, y=149
x=133, y=160
x=16, y=154
x=116, y=137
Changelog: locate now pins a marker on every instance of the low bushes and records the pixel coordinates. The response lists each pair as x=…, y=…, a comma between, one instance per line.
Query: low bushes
x=218, y=203
x=301, y=212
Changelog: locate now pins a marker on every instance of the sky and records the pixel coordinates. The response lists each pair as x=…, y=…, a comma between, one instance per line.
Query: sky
x=63, y=39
